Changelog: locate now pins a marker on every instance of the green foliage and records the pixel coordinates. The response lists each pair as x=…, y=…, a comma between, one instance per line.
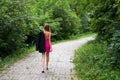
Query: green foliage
x=92, y=62
x=82, y=8
x=45, y=12
x=70, y=23
x=12, y=26
x=21, y=20
x=16, y=23
x=106, y=21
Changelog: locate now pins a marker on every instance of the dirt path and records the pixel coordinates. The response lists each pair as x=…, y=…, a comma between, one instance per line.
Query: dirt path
x=60, y=66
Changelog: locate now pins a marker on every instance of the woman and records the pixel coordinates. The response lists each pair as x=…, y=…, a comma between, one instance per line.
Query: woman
x=43, y=45
x=48, y=47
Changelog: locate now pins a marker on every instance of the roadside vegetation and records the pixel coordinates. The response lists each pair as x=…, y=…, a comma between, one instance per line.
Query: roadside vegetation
x=93, y=62
x=100, y=59
x=21, y=20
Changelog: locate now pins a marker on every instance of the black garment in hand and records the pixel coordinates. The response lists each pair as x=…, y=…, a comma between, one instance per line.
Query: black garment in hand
x=40, y=43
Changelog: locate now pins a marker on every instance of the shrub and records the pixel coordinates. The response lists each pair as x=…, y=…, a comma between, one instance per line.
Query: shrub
x=92, y=62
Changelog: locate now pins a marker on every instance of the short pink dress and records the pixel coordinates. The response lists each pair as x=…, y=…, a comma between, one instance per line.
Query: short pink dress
x=47, y=45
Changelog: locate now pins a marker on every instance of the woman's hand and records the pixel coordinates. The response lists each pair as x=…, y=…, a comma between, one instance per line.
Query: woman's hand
x=50, y=49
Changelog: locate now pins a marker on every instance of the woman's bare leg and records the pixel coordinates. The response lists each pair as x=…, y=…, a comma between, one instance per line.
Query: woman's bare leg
x=43, y=61
x=47, y=60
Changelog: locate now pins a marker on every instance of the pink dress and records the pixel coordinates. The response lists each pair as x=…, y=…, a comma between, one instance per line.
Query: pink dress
x=47, y=45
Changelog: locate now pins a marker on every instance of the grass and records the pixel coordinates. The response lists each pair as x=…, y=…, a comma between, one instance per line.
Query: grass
x=92, y=63
x=10, y=60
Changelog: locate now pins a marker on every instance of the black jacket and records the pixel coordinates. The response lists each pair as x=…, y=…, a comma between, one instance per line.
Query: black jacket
x=40, y=43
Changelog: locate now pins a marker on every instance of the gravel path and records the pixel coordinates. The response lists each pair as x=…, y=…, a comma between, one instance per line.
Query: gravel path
x=60, y=66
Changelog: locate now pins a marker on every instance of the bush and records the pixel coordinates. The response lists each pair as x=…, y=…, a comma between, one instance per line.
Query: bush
x=105, y=22
x=70, y=23
x=92, y=62
x=15, y=24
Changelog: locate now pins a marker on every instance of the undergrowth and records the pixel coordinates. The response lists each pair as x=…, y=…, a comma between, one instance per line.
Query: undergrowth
x=92, y=62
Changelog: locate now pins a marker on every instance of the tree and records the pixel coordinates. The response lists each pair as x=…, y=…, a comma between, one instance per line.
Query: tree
x=14, y=20
x=106, y=21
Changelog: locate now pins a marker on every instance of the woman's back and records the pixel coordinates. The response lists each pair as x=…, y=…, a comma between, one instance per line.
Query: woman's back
x=47, y=34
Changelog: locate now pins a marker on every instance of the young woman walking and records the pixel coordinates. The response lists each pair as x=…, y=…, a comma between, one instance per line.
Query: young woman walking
x=44, y=45
x=48, y=47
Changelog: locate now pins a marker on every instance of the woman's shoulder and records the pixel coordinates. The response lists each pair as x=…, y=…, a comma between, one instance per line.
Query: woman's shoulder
x=48, y=32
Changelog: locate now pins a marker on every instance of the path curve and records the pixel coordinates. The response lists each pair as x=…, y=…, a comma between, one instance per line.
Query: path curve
x=60, y=66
